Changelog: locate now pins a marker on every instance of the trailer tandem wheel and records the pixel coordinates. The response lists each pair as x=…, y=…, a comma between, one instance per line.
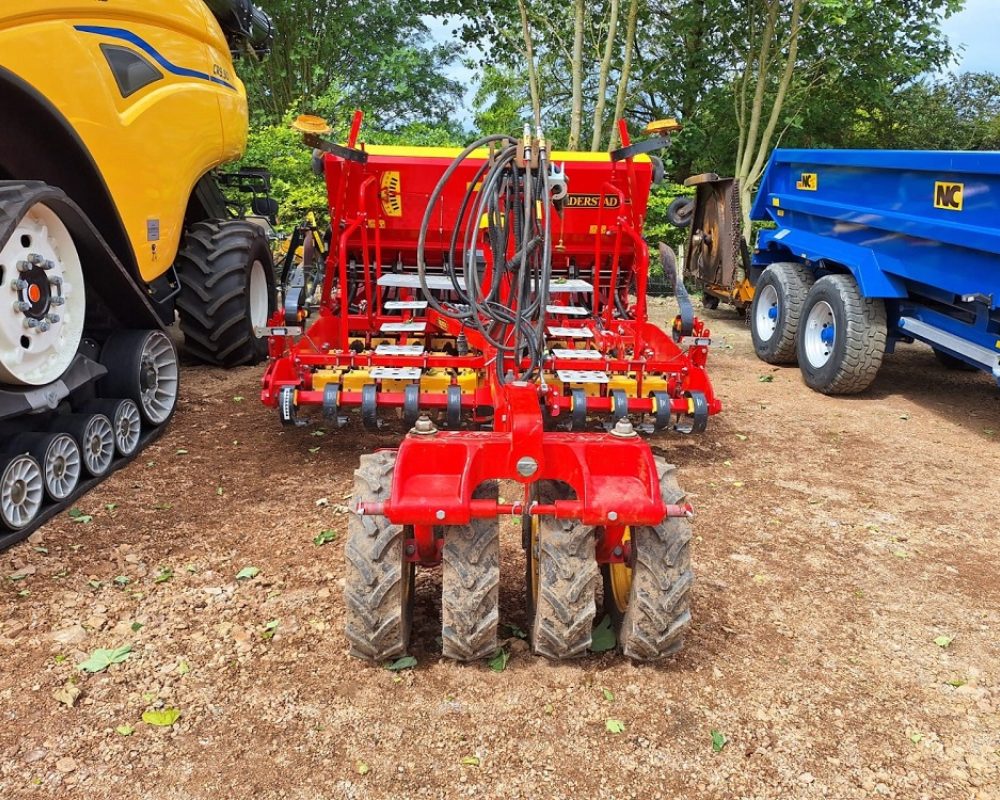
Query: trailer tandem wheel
x=378, y=590
x=470, y=585
x=776, y=312
x=649, y=600
x=842, y=337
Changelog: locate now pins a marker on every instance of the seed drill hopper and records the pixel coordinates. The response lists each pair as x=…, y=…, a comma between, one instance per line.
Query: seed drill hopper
x=491, y=304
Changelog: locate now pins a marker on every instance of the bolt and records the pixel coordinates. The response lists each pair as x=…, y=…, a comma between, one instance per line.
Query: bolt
x=58, y=301
x=439, y=514
x=53, y=318
x=56, y=280
x=613, y=515
x=49, y=265
x=20, y=305
x=35, y=260
x=44, y=325
x=423, y=426
x=623, y=429
x=619, y=552
x=20, y=285
x=527, y=466
x=31, y=323
x=410, y=549
x=23, y=266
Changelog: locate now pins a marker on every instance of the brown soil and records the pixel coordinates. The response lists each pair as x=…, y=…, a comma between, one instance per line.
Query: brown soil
x=836, y=539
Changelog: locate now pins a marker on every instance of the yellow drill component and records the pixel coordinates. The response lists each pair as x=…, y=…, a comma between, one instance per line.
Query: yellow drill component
x=356, y=379
x=322, y=377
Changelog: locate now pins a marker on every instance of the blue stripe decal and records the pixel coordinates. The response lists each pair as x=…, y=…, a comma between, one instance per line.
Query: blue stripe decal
x=148, y=49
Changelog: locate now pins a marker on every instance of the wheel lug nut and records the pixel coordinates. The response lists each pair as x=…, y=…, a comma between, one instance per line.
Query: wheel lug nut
x=53, y=318
x=31, y=323
x=35, y=260
x=20, y=305
x=20, y=285
x=23, y=266
x=58, y=301
x=49, y=265
x=44, y=325
x=56, y=280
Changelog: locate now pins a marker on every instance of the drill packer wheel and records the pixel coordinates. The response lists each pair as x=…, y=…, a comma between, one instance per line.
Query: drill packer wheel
x=649, y=599
x=470, y=585
x=378, y=590
x=562, y=581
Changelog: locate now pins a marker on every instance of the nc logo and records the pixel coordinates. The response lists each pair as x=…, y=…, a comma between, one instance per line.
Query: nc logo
x=948, y=196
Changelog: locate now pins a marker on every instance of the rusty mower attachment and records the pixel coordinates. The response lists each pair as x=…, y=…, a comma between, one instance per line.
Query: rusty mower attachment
x=491, y=303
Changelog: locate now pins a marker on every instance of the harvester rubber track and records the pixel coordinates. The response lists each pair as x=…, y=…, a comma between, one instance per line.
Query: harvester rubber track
x=120, y=327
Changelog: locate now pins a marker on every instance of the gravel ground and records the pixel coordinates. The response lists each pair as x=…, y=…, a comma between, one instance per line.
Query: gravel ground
x=844, y=640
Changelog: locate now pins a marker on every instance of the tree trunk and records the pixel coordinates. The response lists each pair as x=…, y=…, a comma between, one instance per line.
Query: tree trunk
x=602, y=81
x=529, y=54
x=576, y=68
x=633, y=17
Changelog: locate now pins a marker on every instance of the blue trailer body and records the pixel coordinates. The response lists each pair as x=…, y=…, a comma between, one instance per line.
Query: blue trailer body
x=917, y=229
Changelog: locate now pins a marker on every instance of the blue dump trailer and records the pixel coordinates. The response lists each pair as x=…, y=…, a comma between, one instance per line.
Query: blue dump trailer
x=870, y=248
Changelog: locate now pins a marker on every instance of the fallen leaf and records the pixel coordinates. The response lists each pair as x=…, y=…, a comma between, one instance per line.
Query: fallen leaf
x=314, y=450
x=742, y=437
x=943, y=641
x=515, y=631
x=406, y=662
x=603, y=638
x=22, y=573
x=165, y=575
x=125, y=730
x=162, y=718
x=182, y=452
x=101, y=658
x=471, y=761
x=916, y=738
x=136, y=626
x=238, y=399
x=608, y=695
x=614, y=725
x=122, y=580
x=765, y=378
x=68, y=694
x=719, y=741
x=499, y=661
x=956, y=682
x=247, y=573
x=269, y=630
x=324, y=537
x=183, y=668
x=110, y=506
x=362, y=768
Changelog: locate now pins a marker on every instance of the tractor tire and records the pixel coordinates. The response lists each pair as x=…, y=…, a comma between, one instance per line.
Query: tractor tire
x=842, y=335
x=776, y=311
x=378, y=589
x=948, y=361
x=568, y=576
x=470, y=584
x=227, y=291
x=649, y=603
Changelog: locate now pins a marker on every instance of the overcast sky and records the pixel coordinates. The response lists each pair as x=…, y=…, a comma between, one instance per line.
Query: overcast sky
x=973, y=32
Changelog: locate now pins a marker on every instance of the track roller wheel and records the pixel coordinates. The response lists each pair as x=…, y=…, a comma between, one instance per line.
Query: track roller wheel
x=125, y=419
x=227, y=291
x=96, y=437
x=648, y=601
x=470, y=585
x=59, y=456
x=378, y=589
x=21, y=491
x=142, y=367
x=563, y=578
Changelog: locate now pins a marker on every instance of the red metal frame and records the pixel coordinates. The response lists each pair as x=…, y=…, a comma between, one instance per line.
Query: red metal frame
x=376, y=208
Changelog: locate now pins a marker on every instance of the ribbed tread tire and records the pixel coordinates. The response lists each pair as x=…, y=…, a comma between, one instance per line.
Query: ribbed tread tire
x=378, y=588
x=792, y=282
x=567, y=588
x=214, y=271
x=658, y=612
x=851, y=368
x=470, y=585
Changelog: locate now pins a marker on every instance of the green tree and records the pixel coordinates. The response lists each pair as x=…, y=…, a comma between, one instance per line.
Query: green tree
x=330, y=56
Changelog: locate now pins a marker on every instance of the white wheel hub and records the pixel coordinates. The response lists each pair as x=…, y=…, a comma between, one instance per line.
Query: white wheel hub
x=257, y=295
x=128, y=427
x=42, y=300
x=820, y=334
x=767, y=314
x=21, y=492
x=158, y=377
x=62, y=467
